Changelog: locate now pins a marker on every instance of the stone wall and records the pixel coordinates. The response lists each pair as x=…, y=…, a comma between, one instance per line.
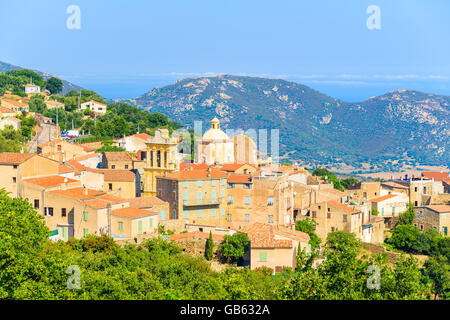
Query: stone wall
x=379, y=249
x=195, y=247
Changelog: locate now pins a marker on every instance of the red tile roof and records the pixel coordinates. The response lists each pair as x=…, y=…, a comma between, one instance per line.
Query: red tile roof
x=15, y=103
x=6, y=110
x=235, y=166
x=118, y=175
x=195, y=174
x=239, y=178
x=437, y=176
x=195, y=235
x=14, y=157
x=133, y=212
x=49, y=181
x=118, y=156
x=64, y=169
x=143, y=136
x=78, y=193
x=110, y=198
x=263, y=236
x=343, y=207
x=146, y=202
x=382, y=198
x=96, y=102
x=441, y=208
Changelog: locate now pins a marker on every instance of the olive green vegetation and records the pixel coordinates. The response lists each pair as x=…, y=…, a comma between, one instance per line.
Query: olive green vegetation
x=407, y=237
x=33, y=267
x=339, y=184
x=15, y=80
x=309, y=226
x=120, y=119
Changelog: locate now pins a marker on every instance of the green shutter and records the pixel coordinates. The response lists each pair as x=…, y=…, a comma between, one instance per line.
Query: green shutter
x=85, y=232
x=151, y=222
x=263, y=256
x=120, y=226
x=140, y=227
x=85, y=215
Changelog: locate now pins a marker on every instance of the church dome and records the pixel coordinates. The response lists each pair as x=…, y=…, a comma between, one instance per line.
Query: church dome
x=215, y=133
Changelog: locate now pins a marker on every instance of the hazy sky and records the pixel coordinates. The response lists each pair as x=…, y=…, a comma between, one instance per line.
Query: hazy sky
x=125, y=48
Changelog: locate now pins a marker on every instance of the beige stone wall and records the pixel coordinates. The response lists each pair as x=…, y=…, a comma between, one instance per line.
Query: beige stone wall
x=121, y=189
x=284, y=257
x=196, y=247
x=426, y=219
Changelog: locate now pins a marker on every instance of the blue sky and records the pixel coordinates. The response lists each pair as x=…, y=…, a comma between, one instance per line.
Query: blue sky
x=125, y=48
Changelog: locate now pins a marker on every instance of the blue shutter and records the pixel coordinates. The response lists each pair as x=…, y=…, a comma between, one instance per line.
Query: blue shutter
x=213, y=183
x=185, y=214
x=223, y=211
x=199, y=197
x=185, y=184
x=163, y=214
x=213, y=212
x=199, y=213
x=185, y=197
x=213, y=196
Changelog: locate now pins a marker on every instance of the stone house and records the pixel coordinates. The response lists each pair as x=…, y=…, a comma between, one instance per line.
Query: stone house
x=94, y=106
x=10, y=121
x=433, y=216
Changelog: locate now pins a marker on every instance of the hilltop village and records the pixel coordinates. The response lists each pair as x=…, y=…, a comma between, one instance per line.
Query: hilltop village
x=149, y=189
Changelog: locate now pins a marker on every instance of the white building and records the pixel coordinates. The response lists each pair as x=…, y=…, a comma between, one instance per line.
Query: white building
x=32, y=88
x=94, y=106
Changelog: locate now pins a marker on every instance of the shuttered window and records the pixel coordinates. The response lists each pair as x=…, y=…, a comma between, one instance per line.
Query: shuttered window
x=263, y=257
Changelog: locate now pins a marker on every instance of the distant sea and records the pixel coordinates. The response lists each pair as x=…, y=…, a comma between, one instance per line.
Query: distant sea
x=348, y=91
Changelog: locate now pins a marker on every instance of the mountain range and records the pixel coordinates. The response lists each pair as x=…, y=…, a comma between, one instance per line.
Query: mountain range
x=402, y=127
x=67, y=86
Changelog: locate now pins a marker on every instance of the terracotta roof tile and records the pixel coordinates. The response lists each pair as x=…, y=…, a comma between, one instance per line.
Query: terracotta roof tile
x=6, y=110
x=441, y=208
x=239, y=178
x=382, y=198
x=118, y=175
x=15, y=103
x=49, y=181
x=130, y=212
x=343, y=207
x=143, y=136
x=232, y=167
x=96, y=102
x=263, y=236
x=78, y=193
x=118, y=156
x=110, y=198
x=64, y=169
x=195, y=174
x=146, y=202
x=187, y=166
x=14, y=157
x=437, y=176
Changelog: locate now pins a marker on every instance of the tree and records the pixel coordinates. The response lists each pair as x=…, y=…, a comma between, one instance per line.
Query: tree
x=54, y=85
x=348, y=182
x=437, y=270
x=233, y=247
x=22, y=236
x=309, y=226
x=407, y=217
x=108, y=147
x=404, y=237
x=209, y=247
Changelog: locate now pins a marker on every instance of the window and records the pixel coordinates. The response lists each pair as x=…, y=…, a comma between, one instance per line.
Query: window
x=213, y=196
x=415, y=189
x=159, y=193
x=223, y=182
x=163, y=214
x=393, y=210
x=213, y=212
x=85, y=232
x=319, y=207
x=223, y=193
x=421, y=227
x=199, y=184
x=344, y=218
x=328, y=215
x=14, y=179
x=314, y=214
x=247, y=217
x=382, y=211
x=270, y=219
x=229, y=218
x=230, y=199
x=328, y=209
x=415, y=203
x=213, y=183
x=332, y=229
x=120, y=226
x=247, y=200
x=174, y=195
x=126, y=166
x=110, y=186
x=151, y=222
x=231, y=185
x=185, y=199
x=223, y=211
x=185, y=184
x=185, y=214
x=174, y=214
x=15, y=166
x=85, y=215
x=270, y=202
x=113, y=166
x=247, y=186
x=199, y=197
x=50, y=212
x=36, y=203
x=63, y=212
x=199, y=213
x=263, y=256
x=444, y=231
x=425, y=190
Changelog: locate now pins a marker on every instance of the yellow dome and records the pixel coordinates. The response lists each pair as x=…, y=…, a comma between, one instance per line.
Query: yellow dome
x=215, y=133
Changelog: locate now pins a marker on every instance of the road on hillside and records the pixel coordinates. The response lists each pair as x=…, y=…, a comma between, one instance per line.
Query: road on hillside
x=47, y=132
